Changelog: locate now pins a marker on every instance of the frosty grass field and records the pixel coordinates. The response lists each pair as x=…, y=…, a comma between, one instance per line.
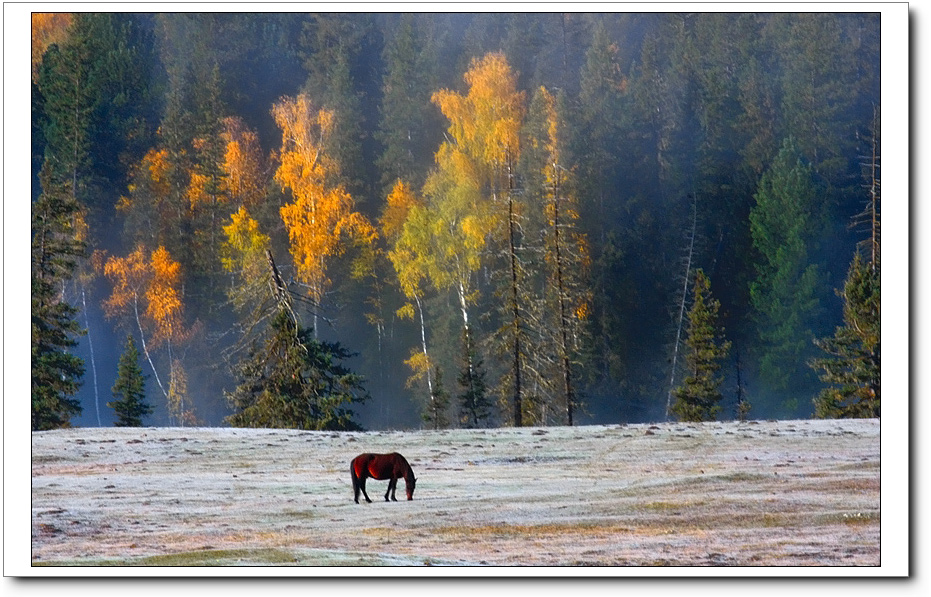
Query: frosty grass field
x=760, y=493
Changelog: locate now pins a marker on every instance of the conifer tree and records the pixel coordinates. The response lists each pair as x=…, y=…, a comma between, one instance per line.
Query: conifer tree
x=129, y=390
x=853, y=367
x=294, y=381
x=474, y=404
x=698, y=397
x=435, y=414
x=56, y=373
x=784, y=293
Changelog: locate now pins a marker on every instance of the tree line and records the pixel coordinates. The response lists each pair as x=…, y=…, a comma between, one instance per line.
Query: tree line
x=330, y=221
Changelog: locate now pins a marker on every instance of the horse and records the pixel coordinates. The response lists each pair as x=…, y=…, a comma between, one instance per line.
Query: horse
x=380, y=467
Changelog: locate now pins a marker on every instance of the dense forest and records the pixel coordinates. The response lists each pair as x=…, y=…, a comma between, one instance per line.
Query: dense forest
x=338, y=221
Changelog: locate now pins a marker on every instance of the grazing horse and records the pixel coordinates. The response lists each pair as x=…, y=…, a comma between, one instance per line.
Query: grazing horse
x=380, y=467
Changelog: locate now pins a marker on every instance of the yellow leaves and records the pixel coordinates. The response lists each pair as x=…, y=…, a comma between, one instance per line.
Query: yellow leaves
x=406, y=312
x=419, y=364
x=485, y=124
x=244, y=248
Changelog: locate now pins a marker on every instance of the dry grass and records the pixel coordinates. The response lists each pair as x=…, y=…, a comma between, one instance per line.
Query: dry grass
x=792, y=493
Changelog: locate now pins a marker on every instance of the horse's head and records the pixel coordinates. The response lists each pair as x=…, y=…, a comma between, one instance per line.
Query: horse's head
x=409, y=484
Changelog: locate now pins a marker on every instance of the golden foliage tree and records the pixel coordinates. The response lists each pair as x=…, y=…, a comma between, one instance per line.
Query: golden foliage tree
x=146, y=288
x=243, y=164
x=481, y=153
x=321, y=220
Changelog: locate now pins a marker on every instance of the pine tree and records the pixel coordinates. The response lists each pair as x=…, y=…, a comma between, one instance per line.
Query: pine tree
x=474, y=404
x=296, y=382
x=56, y=373
x=698, y=397
x=853, y=367
x=436, y=411
x=129, y=390
x=784, y=293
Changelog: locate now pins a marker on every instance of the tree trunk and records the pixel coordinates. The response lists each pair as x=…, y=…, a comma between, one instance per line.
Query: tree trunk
x=515, y=314
x=145, y=349
x=560, y=289
x=90, y=345
x=685, y=291
x=423, y=344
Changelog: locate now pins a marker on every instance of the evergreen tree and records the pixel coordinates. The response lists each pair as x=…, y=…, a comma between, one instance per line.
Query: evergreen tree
x=56, y=373
x=129, y=390
x=784, y=293
x=698, y=397
x=409, y=123
x=296, y=382
x=474, y=404
x=436, y=412
x=853, y=367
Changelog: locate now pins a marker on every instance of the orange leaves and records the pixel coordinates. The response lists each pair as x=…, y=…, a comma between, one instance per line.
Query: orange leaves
x=162, y=295
x=400, y=201
x=197, y=192
x=243, y=163
x=129, y=276
x=321, y=216
x=304, y=131
x=154, y=281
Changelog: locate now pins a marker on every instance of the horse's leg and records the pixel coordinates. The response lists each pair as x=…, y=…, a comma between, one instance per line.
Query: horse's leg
x=392, y=485
x=362, y=485
x=355, y=481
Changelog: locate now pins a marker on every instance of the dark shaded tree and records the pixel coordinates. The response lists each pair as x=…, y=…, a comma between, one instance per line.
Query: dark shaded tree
x=56, y=248
x=698, y=397
x=129, y=390
x=785, y=294
x=435, y=414
x=297, y=382
x=852, y=368
x=474, y=404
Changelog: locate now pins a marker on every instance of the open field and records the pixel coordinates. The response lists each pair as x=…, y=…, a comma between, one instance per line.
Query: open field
x=787, y=493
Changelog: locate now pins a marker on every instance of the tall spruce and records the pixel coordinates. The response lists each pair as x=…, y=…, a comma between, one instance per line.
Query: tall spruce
x=852, y=368
x=698, y=397
x=435, y=414
x=474, y=404
x=784, y=294
x=129, y=390
x=56, y=373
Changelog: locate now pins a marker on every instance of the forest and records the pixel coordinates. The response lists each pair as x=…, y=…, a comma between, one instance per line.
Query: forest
x=402, y=221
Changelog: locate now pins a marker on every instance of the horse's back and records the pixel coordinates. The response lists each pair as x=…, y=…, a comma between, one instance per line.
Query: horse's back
x=379, y=466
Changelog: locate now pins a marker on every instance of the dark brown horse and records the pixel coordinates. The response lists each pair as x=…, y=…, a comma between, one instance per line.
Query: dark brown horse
x=380, y=467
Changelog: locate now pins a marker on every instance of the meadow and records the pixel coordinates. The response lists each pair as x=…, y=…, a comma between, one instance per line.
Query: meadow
x=757, y=493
